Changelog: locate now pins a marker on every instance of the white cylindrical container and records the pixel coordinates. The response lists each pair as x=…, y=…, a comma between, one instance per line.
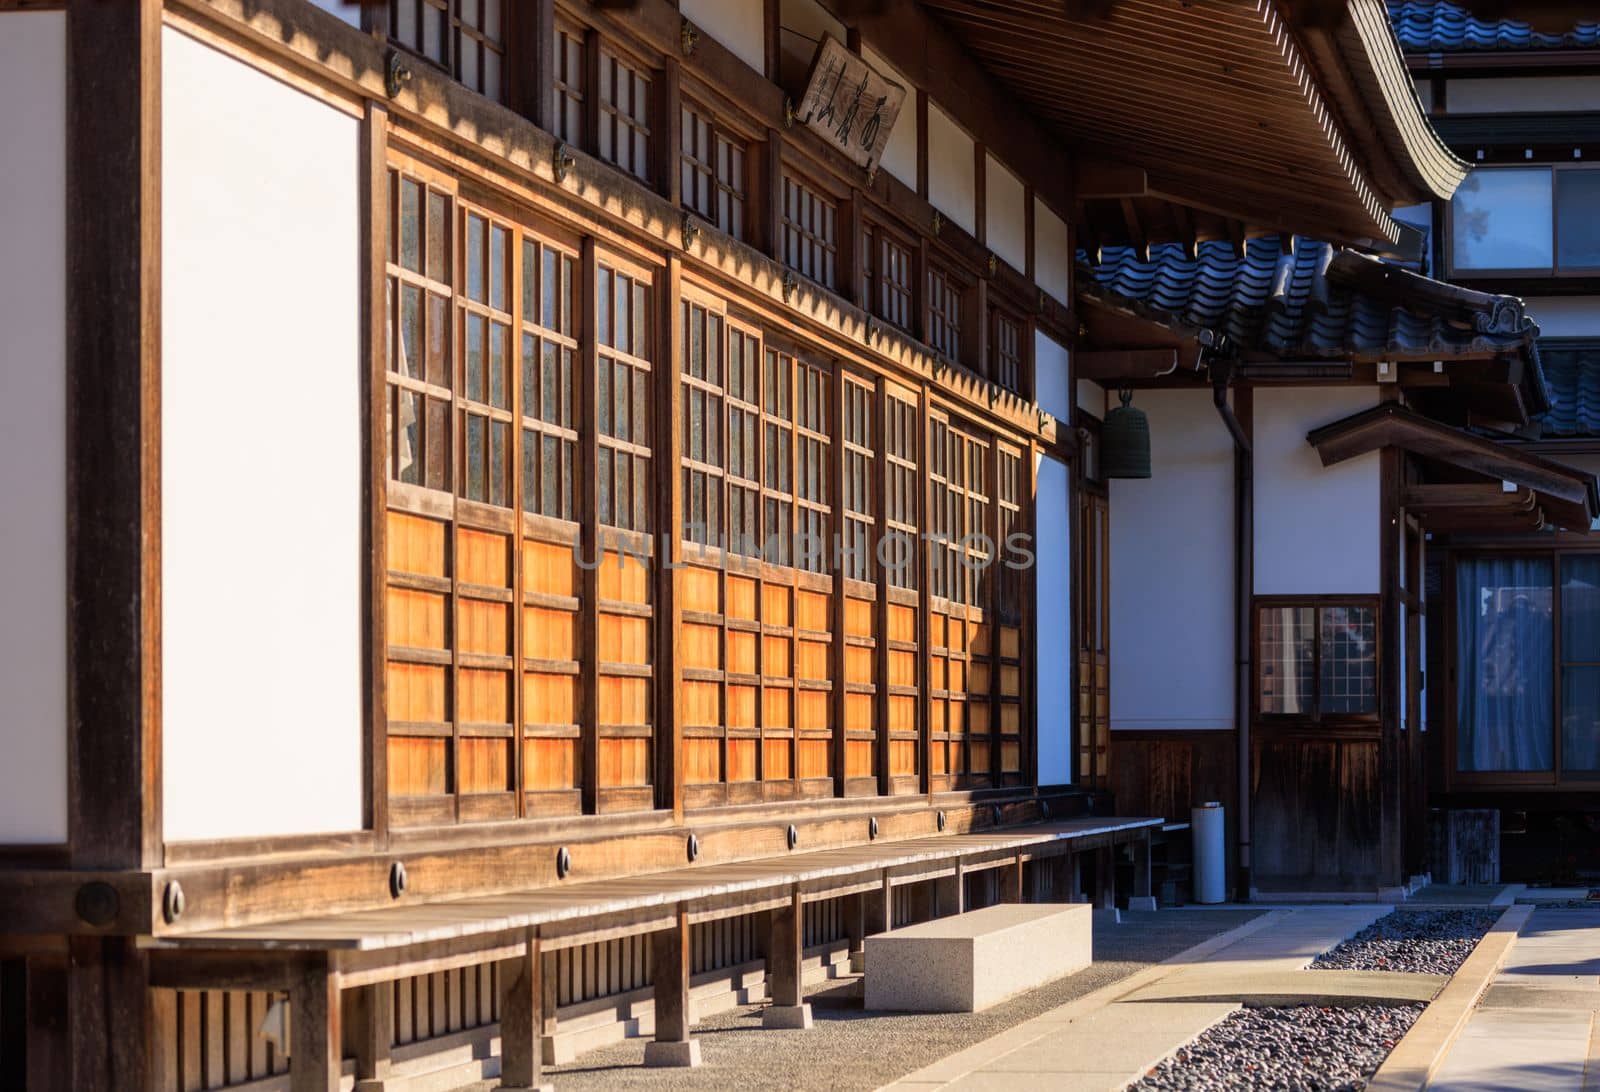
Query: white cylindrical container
x=1210, y=852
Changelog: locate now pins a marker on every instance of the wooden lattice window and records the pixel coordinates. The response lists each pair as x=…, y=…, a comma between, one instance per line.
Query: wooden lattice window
x=744, y=441
x=1007, y=351
x=810, y=230
x=856, y=427
x=977, y=547
x=485, y=402
x=549, y=380
x=623, y=398
x=777, y=475
x=946, y=518
x=944, y=313
x=420, y=301
x=624, y=114
x=464, y=37
x=712, y=166
x=703, y=411
x=1010, y=598
x=902, y=489
x=887, y=266
x=813, y=514
x=569, y=82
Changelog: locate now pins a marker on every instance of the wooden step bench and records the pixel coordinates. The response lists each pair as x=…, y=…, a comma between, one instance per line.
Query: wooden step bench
x=968, y=962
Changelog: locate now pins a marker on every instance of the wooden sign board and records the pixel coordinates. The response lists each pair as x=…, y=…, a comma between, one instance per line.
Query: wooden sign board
x=850, y=104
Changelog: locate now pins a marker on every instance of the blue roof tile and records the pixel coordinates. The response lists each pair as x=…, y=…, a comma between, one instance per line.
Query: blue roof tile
x=1572, y=375
x=1434, y=26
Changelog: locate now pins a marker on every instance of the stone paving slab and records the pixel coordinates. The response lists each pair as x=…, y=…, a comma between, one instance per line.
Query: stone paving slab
x=1122, y=1038
x=1296, y=987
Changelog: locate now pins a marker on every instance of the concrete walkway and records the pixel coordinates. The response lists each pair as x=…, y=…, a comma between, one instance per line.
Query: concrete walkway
x=1109, y=1038
x=1537, y=1028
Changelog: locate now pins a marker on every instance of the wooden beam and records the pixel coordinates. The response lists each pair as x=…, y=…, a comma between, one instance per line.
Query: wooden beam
x=1096, y=179
x=1136, y=233
x=1113, y=364
x=375, y=483
x=114, y=433
x=1466, y=496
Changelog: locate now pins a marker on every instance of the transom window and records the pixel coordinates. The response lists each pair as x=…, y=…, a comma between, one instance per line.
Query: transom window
x=944, y=313
x=810, y=230
x=1007, y=350
x=712, y=166
x=886, y=265
x=1317, y=659
x=463, y=37
x=624, y=114
x=568, y=72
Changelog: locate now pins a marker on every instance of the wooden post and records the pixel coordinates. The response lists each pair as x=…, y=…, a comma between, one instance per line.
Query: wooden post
x=950, y=893
x=372, y=1032
x=1105, y=878
x=672, y=1045
x=110, y=1017
x=1011, y=880
x=522, y=1018
x=1141, y=899
x=784, y=955
x=855, y=928
x=549, y=1001
x=922, y=900
x=315, y=1042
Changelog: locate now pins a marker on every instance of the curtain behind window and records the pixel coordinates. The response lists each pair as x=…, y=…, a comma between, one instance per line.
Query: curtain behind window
x=1580, y=664
x=1504, y=651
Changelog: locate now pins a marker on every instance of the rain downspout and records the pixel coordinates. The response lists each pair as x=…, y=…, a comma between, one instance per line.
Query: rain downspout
x=1221, y=367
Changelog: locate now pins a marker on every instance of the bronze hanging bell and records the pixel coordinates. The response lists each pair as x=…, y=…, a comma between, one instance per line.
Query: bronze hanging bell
x=1125, y=441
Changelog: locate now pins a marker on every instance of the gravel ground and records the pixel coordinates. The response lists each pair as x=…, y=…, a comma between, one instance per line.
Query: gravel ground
x=849, y=1048
x=1419, y=941
x=1301, y=1049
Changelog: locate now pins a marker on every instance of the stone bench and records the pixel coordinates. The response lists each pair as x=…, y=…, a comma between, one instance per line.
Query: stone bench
x=968, y=962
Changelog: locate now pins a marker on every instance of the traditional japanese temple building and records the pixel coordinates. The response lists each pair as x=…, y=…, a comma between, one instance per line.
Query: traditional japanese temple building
x=532, y=521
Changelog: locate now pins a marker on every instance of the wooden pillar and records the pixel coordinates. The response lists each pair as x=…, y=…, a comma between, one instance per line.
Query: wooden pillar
x=522, y=998
x=316, y=1055
x=549, y=1002
x=1011, y=880
x=672, y=1045
x=372, y=1034
x=785, y=950
x=950, y=893
x=113, y=450
x=922, y=900
x=1105, y=878
x=1141, y=874
x=855, y=928
x=43, y=1053
x=110, y=1016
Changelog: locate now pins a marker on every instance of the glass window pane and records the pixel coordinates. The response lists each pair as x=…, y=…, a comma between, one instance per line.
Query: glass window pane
x=410, y=330
x=1287, y=659
x=1580, y=720
x=1349, y=660
x=1504, y=631
x=1578, y=219
x=1580, y=609
x=410, y=214
x=438, y=340
x=1501, y=219
x=475, y=458
x=438, y=248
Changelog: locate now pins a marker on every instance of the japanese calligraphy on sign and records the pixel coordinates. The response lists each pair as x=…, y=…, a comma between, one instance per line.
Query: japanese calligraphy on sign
x=850, y=104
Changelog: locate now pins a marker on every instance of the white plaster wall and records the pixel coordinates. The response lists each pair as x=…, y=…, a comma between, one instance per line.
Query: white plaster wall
x=1317, y=529
x=1052, y=383
x=1092, y=398
x=1524, y=94
x=1052, y=253
x=1053, y=655
x=261, y=454
x=1005, y=209
x=1425, y=95
x=33, y=427
x=802, y=24
x=952, y=170
x=900, y=153
x=737, y=24
x=1565, y=316
x=1172, y=605
x=349, y=12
